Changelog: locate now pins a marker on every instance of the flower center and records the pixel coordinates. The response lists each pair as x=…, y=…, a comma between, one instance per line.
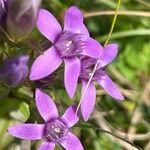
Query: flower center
x=55, y=130
x=87, y=66
x=69, y=44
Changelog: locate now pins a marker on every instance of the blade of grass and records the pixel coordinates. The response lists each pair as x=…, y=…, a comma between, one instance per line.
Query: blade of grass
x=122, y=12
x=123, y=34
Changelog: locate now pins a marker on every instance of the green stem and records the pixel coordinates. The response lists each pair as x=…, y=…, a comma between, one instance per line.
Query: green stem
x=113, y=23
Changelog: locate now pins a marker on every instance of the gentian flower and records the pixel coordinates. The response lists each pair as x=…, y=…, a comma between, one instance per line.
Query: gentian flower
x=14, y=70
x=68, y=44
x=54, y=131
x=100, y=76
x=21, y=18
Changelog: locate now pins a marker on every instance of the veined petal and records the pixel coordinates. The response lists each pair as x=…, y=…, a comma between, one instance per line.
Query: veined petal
x=109, y=54
x=48, y=25
x=72, y=142
x=88, y=100
x=47, y=146
x=45, y=105
x=70, y=117
x=110, y=87
x=27, y=131
x=72, y=71
x=92, y=48
x=45, y=64
x=73, y=20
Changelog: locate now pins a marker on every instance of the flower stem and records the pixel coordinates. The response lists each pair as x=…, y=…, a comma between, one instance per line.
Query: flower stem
x=96, y=65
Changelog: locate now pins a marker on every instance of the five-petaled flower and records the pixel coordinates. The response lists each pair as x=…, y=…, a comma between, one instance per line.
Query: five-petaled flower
x=73, y=41
x=55, y=130
x=87, y=65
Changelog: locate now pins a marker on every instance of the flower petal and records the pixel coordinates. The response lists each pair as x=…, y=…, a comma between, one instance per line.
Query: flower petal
x=92, y=48
x=47, y=146
x=45, y=64
x=88, y=100
x=70, y=117
x=45, y=105
x=109, y=54
x=72, y=142
x=27, y=131
x=72, y=71
x=110, y=87
x=73, y=20
x=48, y=25
x=84, y=32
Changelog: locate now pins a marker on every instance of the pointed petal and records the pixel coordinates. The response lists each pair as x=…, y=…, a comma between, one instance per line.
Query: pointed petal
x=70, y=117
x=92, y=48
x=45, y=105
x=88, y=100
x=72, y=71
x=110, y=87
x=45, y=64
x=27, y=131
x=109, y=54
x=47, y=146
x=72, y=142
x=48, y=25
x=73, y=20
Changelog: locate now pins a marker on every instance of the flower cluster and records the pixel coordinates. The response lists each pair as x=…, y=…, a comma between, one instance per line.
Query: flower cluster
x=79, y=52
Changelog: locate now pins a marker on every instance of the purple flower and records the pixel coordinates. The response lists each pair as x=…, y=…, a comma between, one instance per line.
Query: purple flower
x=14, y=70
x=54, y=131
x=68, y=44
x=100, y=76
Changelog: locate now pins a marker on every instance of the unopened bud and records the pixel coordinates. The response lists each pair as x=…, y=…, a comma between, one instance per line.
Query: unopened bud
x=2, y=10
x=21, y=19
x=14, y=70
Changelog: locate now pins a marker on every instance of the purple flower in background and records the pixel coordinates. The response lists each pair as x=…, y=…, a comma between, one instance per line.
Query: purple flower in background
x=68, y=44
x=100, y=76
x=54, y=131
x=14, y=70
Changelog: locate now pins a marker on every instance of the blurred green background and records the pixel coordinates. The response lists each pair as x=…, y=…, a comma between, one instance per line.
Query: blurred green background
x=129, y=119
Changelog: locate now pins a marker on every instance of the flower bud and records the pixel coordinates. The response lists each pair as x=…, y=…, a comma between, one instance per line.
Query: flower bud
x=14, y=70
x=2, y=10
x=21, y=19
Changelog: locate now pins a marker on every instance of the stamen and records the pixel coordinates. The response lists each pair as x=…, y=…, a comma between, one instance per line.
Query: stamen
x=68, y=44
x=57, y=130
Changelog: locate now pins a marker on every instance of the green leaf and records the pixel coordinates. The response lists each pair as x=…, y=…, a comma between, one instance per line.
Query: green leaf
x=24, y=109
x=22, y=114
